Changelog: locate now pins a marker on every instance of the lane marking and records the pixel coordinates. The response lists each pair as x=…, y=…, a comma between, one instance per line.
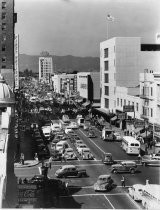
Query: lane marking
x=109, y=202
x=91, y=194
x=133, y=201
x=40, y=171
x=93, y=143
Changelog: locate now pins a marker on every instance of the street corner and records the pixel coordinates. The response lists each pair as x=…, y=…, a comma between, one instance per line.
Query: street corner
x=27, y=163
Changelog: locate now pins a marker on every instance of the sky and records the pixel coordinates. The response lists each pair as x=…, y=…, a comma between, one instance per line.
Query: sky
x=76, y=27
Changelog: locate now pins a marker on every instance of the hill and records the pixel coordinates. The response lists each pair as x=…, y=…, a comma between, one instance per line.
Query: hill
x=66, y=63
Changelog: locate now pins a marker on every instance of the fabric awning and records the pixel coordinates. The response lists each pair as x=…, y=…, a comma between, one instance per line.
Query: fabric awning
x=113, y=118
x=86, y=103
x=96, y=105
x=137, y=130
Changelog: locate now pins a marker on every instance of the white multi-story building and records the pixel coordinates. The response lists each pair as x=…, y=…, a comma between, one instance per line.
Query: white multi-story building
x=45, y=68
x=150, y=96
x=64, y=83
x=121, y=61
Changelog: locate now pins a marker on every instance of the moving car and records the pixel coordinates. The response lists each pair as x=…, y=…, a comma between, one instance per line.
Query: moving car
x=70, y=171
x=151, y=160
x=91, y=134
x=124, y=166
x=107, y=159
x=73, y=125
x=104, y=183
x=117, y=136
x=86, y=154
x=69, y=154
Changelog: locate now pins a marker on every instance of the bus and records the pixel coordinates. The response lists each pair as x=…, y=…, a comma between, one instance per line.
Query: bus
x=130, y=145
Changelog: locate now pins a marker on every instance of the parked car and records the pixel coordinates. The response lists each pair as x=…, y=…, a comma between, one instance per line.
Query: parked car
x=107, y=159
x=69, y=154
x=70, y=171
x=68, y=130
x=80, y=148
x=124, y=166
x=148, y=160
x=78, y=142
x=86, y=154
x=103, y=183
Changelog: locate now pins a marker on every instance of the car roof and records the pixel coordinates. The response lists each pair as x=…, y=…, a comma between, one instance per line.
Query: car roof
x=104, y=176
x=68, y=166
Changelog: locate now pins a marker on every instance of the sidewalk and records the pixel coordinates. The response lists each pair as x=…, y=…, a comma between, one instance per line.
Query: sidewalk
x=27, y=163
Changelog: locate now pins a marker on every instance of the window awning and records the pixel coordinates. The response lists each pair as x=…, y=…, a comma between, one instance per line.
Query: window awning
x=137, y=130
x=86, y=103
x=96, y=105
x=113, y=118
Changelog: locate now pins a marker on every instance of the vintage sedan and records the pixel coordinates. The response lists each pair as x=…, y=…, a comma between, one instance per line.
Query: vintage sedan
x=91, y=134
x=151, y=160
x=70, y=171
x=86, y=154
x=80, y=148
x=69, y=154
x=104, y=183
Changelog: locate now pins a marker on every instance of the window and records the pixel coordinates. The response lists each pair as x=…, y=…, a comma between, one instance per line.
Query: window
x=132, y=103
x=121, y=102
x=106, y=103
x=137, y=107
x=3, y=26
x=151, y=91
x=3, y=15
x=106, y=65
x=3, y=48
x=128, y=102
x=124, y=101
x=3, y=66
x=114, y=48
x=106, y=90
x=106, y=53
x=3, y=5
x=3, y=59
x=3, y=37
x=151, y=112
x=117, y=101
x=106, y=80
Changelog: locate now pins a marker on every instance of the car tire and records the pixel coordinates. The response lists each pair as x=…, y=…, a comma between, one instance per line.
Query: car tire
x=115, y=171
x=132, y=171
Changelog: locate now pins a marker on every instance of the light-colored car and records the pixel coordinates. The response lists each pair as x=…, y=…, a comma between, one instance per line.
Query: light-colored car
x=86, y=154
x=80, y=148
x=69, y=154
x=73, y=125
x=68, y=130
x=117, y=136
x=151, y=160
x=104, y=183
x=136, y=192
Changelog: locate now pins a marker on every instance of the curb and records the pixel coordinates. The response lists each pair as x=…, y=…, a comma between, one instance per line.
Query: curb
x=26, y=166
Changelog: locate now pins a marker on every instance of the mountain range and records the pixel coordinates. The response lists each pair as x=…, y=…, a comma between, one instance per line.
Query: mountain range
x=66, y=63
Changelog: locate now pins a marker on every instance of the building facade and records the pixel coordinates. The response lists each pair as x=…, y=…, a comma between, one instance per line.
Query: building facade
x=16, y=62
x=88, y=85
x=8, y=19
x=65, y=84
x=121, y=61
x=45, y=68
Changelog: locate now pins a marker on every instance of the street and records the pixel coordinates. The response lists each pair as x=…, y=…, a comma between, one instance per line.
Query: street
x=81, y=192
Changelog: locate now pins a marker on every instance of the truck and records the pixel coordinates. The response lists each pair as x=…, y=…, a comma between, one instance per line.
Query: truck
x=148, y=195
x=107, y=134
x=80, y=120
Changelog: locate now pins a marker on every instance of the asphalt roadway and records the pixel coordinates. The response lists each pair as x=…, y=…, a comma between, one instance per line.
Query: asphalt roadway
x=81, y=192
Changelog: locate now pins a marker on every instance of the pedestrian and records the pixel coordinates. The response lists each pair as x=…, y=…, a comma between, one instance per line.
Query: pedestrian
x=123, y=182
x=66, y=187
x=139, y=158
x=50, y=162
x=22, y=159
